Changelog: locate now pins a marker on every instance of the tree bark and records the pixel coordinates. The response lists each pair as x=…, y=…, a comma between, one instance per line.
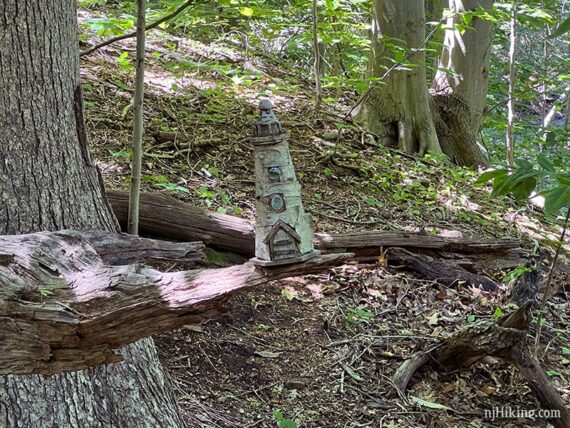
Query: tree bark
x=138, y=123
x=434, y=9
x=397, y=108
x=48, y=182
x=510, y=142
x=123, y=249
x=460, y=86
x=165, y=217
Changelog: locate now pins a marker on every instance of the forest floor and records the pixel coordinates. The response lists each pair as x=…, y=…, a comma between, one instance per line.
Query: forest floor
x=320, y=349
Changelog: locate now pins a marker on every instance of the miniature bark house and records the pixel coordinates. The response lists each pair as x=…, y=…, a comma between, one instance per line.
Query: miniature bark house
x=283, y=230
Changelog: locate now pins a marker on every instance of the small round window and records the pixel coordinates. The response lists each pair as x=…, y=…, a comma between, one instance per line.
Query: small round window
x=277, y=202
x=274, y=173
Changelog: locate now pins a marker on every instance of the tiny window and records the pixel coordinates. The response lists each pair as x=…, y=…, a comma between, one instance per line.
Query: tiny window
x=274, y=173
x=277, y=202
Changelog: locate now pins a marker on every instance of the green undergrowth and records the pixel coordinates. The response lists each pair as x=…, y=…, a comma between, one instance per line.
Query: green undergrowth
x=201, y=103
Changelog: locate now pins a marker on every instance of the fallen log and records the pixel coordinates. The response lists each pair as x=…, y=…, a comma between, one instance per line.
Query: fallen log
x=473, y=254
x=413, y=240
x=163, y=216
x=440, y=271
x=62, y=308
x=505, y=339
x=166, y=217
x=122, y=249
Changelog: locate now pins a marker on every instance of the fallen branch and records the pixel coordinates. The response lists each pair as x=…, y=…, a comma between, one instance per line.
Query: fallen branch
x=63, y=309
x=443, y=272
x=504, y=339
x=155, y=24
x=166, y=217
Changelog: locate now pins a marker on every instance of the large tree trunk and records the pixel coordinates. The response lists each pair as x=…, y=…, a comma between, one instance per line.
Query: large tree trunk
x=459, y=96
x=397, y=108
x=48, y=182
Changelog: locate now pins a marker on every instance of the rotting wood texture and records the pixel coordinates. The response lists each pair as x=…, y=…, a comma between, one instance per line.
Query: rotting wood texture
x=121, y=249
x=443, y=272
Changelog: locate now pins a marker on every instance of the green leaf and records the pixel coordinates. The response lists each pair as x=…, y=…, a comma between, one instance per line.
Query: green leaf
x=246, y=11
x=498, y=313
x=490, y=175
x=361, y=86
x=44, y=292
x=522, y=175
x=355, y=376
x=563, y=28
x=522, y=189
x=523, y=164
x=363, y=314
x=501, y=185
x=283, y=422
x=515, y=273
x=565, y=351
x=172, y=187
x=372, y=201
x=428, y=404
x=399, y=56
x=287, y=423
x=556, y=199
x=545, y=163
x=563, y=179
x=205, y=193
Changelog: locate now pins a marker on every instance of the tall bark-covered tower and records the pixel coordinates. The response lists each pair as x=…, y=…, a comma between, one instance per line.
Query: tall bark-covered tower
x=283, y=230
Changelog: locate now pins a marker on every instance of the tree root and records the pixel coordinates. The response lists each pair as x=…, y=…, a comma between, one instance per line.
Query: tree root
x=505, y=339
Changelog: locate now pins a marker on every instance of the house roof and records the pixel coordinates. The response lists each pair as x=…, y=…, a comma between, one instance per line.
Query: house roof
x=281, y=225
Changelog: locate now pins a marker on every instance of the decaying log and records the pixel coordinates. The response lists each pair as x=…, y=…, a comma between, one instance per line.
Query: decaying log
x=473, y=254
x=163, y=216
x=122, y=249
x=370, y=239
x=505, y=339
x=443, y=272
x=166, y=217
x=63, y=309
